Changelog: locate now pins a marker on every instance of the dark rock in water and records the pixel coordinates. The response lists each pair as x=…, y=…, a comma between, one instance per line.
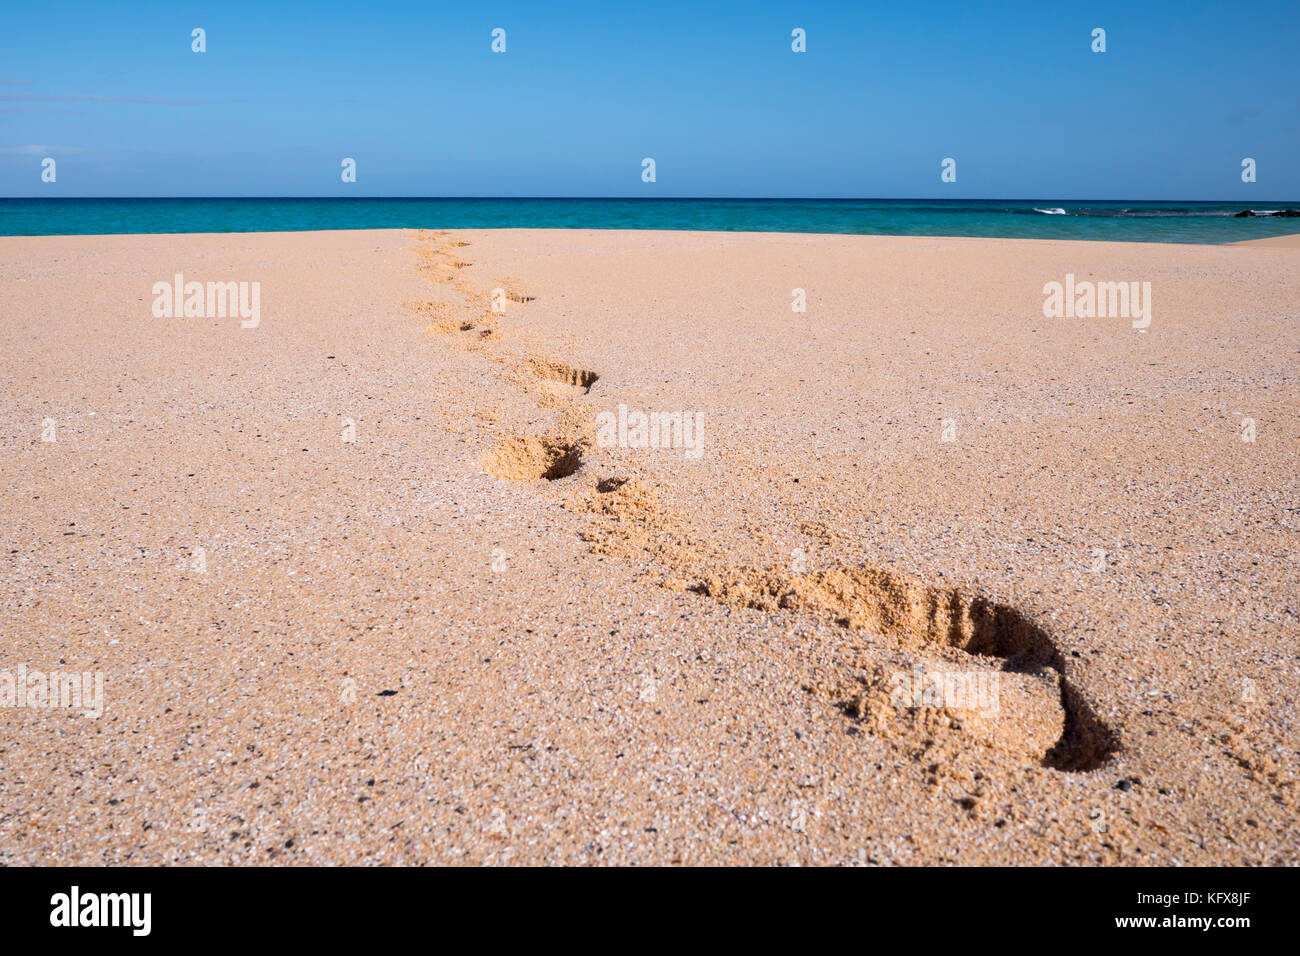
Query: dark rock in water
x=1289, y=213
x=1244, y=212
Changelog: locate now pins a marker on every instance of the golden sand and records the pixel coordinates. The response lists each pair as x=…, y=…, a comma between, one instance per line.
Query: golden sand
x=365, y=594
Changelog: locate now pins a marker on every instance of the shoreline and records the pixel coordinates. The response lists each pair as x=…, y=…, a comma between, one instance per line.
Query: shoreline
x=1287, y=240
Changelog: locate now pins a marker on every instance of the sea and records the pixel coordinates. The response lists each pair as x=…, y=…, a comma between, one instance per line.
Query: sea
x=1193, y=222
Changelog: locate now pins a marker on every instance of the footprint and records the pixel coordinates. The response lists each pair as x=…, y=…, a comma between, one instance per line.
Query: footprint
x=435, y=272
x=530, y=458
x=557, y=371
x=942, y=711
x=512, y=292
x=915, y=615
x=448, y=326
x=441, y=315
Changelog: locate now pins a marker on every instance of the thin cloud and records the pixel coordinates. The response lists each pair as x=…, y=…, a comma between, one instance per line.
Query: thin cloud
x=10, y=81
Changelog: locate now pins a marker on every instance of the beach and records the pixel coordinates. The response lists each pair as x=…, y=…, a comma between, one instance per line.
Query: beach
x=608, y=547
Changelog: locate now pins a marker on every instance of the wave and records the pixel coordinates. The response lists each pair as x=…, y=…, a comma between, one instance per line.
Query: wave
x=1095, y=212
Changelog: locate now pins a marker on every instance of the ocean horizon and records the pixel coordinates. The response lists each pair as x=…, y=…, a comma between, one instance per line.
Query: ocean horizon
x=1097, y=220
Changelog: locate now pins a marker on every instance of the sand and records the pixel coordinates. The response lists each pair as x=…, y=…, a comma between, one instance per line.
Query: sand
x=477, y=633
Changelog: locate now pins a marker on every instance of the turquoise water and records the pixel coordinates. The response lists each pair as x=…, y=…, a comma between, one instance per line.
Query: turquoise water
x=1027, y=219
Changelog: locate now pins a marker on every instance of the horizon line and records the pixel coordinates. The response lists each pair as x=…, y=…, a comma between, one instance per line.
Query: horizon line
x=692, y=198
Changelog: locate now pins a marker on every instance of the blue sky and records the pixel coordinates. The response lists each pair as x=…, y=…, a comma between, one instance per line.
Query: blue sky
x=712, y=92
